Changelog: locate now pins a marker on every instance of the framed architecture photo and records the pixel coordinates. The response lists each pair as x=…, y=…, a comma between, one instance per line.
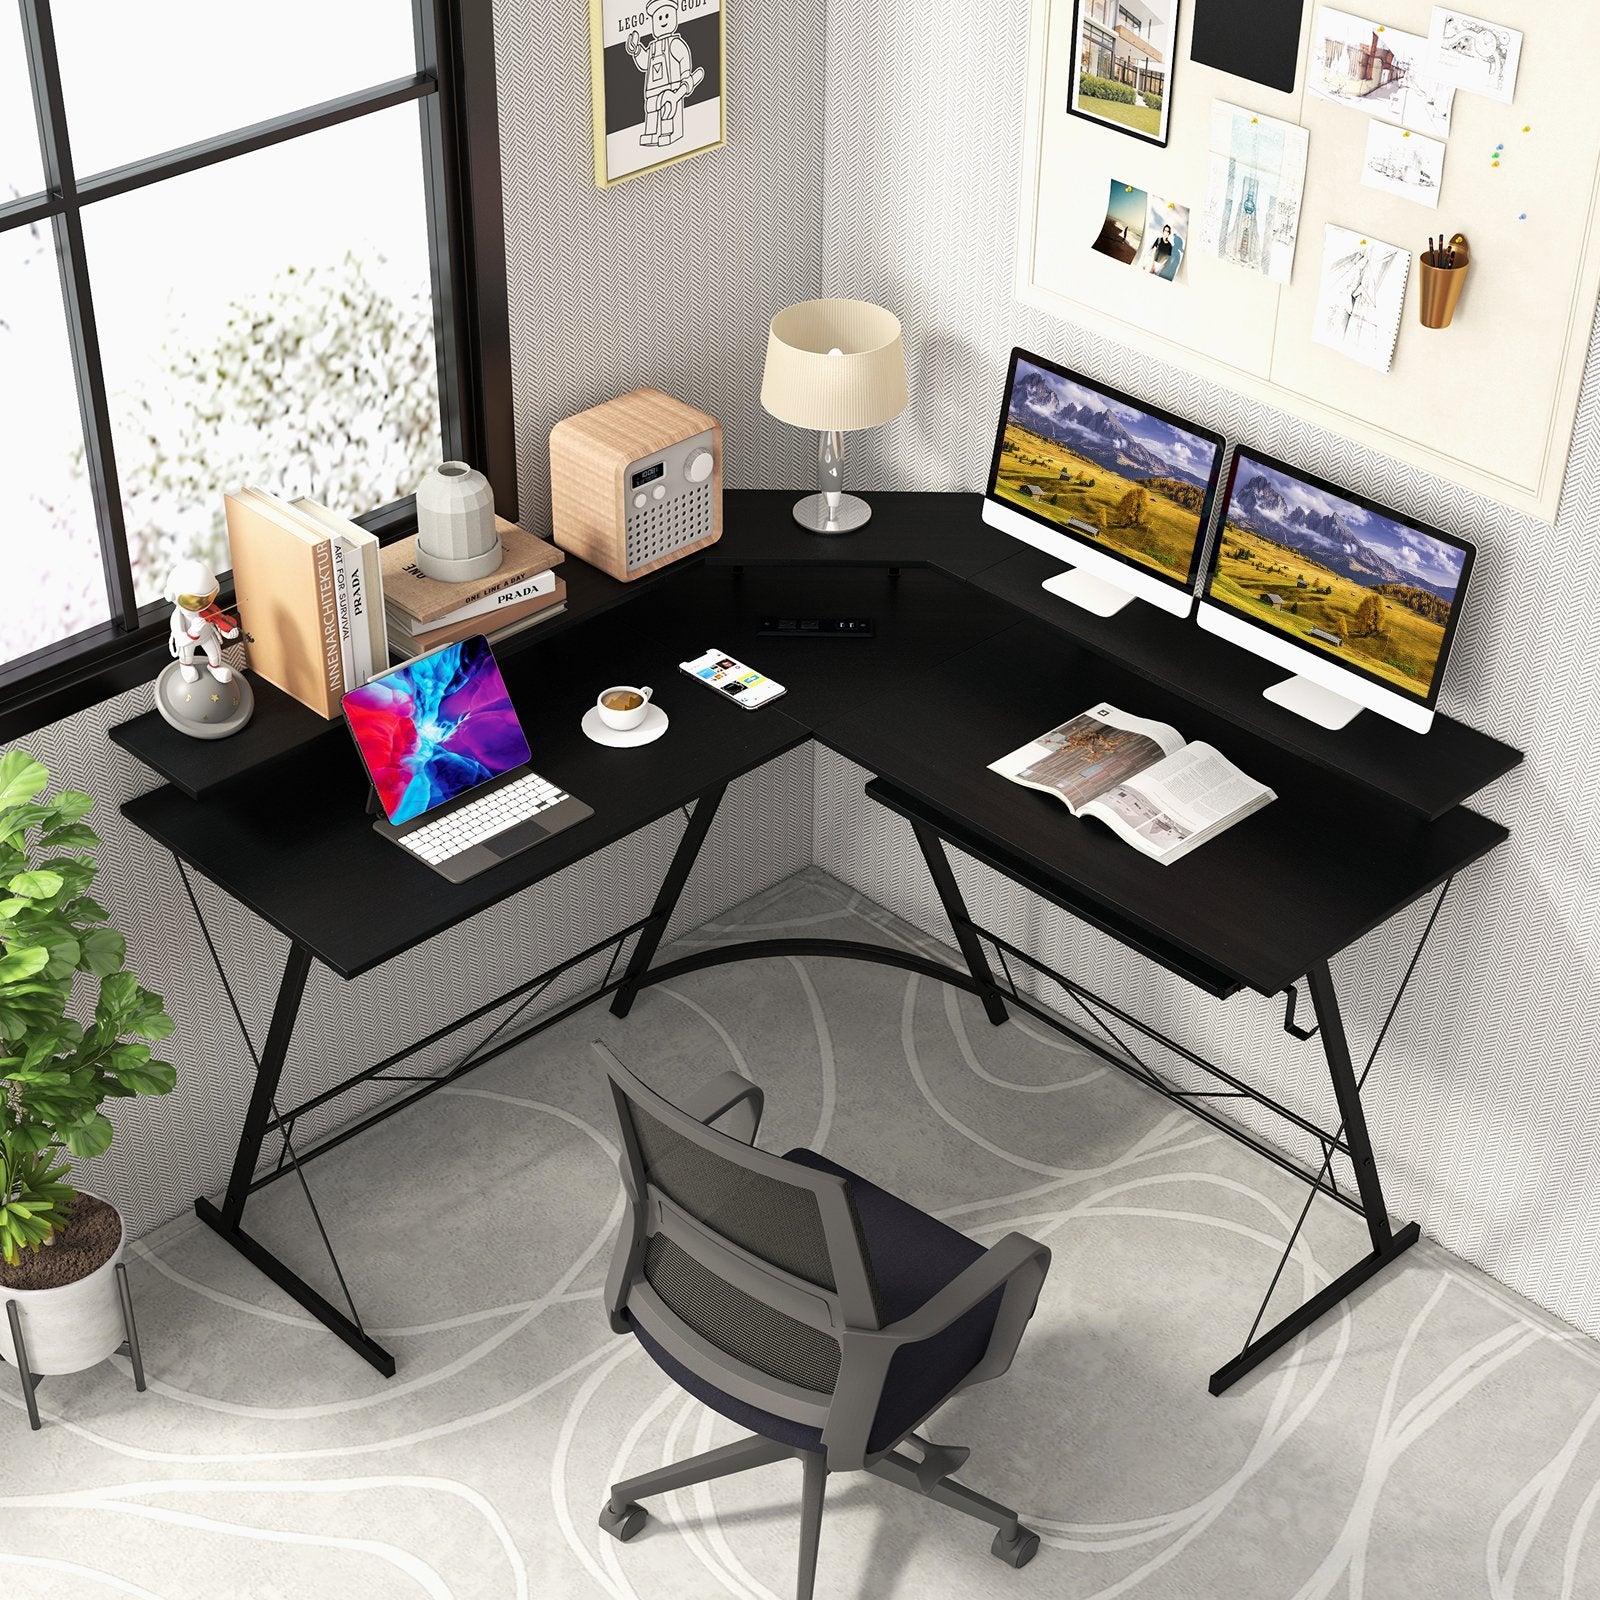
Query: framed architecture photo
x=1122, y=64
x=658, y=69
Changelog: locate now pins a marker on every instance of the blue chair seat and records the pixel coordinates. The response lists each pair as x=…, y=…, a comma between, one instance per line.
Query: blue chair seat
x=912, y=1256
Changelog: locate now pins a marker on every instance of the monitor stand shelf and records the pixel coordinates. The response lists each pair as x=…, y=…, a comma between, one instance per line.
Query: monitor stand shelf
x=1427, y=774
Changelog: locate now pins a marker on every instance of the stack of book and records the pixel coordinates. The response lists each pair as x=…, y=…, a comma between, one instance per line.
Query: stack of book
x=424, y=613
x=309, y=589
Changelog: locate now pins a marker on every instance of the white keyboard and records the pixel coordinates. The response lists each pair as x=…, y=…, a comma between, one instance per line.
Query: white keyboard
x=472, y=824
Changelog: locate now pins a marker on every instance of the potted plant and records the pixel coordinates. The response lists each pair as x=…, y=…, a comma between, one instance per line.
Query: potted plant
x=70, y=1017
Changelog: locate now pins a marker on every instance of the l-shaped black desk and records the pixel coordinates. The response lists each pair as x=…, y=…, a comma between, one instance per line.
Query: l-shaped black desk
x=969, y=660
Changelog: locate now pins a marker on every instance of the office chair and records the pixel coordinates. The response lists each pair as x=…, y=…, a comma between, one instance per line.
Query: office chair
x=805, y=1304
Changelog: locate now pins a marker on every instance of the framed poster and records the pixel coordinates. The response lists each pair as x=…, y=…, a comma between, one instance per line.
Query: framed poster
x=658, y=69
x=1122, y=64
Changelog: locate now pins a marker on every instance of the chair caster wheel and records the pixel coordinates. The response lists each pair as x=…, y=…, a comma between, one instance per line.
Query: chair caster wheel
x=623, y=1525
x=1016, y=1552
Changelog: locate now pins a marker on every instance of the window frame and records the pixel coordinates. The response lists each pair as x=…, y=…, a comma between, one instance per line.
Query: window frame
x=455, y=94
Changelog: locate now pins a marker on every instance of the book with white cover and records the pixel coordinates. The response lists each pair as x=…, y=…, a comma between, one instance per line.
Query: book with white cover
x=366, y=586
x=1154, y=791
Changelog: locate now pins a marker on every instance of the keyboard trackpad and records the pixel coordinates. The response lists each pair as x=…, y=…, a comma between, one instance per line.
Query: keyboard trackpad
x=517, y=838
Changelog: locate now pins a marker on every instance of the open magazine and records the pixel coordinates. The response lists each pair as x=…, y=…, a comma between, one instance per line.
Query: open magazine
x=1163, y=796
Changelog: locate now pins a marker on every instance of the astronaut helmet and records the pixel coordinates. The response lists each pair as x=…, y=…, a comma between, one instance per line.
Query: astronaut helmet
x=663, y=16
x=191, y=585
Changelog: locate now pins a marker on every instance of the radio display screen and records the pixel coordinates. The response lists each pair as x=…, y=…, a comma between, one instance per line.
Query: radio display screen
x=649, y=474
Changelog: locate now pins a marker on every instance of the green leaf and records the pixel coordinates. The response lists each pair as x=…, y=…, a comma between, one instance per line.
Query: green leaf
x=16, y=965
x=36, y=885
x=64, y=955
x=21, y=777
x=73, y=837
x=155, y=1077
x=73, y=804
x=154, y=1025
x=103, y=951
x=119, y=993
x=87, y=1139
x=16, y=820
x=84, y=909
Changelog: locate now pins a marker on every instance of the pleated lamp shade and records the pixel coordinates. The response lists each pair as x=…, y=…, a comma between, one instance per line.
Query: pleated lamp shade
x=835, y=366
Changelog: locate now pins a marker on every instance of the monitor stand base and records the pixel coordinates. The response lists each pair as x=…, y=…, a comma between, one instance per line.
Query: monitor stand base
x=1091, y=593
x=1313, y=702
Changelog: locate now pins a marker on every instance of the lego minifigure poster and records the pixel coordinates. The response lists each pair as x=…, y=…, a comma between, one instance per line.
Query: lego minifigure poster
x=658, y=68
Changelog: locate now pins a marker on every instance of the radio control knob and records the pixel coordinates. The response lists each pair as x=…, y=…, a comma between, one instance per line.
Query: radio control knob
x=698, y=467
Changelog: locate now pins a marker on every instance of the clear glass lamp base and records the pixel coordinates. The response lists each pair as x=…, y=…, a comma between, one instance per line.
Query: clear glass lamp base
x=816, y=516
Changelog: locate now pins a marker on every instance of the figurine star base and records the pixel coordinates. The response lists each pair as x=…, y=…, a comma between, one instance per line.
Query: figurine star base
x=207, y=701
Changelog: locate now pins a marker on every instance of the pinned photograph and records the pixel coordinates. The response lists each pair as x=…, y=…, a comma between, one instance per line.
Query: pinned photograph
x=1256, y=181
x=1122, y=64
x=1360, y=297
x=1122, y=232
x=1384, y=72
x=1480, y=57
x=1166, y=237
x=1404, y=163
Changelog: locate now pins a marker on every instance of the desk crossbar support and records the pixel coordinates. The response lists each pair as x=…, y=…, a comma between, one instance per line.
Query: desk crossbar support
x=682, y=864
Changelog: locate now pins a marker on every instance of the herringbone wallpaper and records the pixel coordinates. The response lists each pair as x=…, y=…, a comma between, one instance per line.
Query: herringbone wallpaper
x=669, y=279
x=1485, y=1107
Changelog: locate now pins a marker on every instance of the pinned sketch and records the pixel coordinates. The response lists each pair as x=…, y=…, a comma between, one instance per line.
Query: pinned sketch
x=1166, y=237
x=1256, y=180
x=1480, y=57
x=1385, y=72
x=1360, y=296
x=1404, y=163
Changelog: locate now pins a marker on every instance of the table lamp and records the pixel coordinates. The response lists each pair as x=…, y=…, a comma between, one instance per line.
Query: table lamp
x=834, y=365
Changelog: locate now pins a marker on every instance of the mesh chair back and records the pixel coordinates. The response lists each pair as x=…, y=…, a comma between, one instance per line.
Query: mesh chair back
x=740, y=1263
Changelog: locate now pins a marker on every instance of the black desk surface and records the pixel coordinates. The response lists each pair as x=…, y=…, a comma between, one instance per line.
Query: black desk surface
x=955, y=677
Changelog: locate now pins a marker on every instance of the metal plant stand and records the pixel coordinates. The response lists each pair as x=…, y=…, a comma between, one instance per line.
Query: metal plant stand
x=31, y=1379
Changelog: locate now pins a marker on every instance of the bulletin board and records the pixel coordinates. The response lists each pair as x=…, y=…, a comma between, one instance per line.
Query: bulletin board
x=1489, y=402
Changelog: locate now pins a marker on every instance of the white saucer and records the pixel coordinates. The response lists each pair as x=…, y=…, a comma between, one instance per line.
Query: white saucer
x=653, y=726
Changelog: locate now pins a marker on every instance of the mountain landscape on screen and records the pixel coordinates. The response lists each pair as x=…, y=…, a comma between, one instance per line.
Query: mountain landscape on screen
x=1261, y=503
x=1115, y=437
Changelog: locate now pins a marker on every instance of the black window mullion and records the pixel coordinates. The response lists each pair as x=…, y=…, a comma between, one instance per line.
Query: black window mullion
x=441, y=191
x=44, y=68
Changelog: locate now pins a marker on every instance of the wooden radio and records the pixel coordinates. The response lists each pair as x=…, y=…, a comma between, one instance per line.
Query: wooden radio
x=636, y=483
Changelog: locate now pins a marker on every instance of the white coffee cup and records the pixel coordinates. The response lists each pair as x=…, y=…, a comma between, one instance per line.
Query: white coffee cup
x=622, y=721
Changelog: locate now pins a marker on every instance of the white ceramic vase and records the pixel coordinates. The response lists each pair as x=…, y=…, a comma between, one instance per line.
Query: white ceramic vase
x=72, y=1326
x=456, y=538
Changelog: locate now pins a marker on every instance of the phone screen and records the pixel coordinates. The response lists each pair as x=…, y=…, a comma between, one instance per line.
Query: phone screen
x=732, y=679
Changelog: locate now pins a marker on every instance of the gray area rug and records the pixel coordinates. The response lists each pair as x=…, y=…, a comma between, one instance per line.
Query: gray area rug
x=1435, y=1437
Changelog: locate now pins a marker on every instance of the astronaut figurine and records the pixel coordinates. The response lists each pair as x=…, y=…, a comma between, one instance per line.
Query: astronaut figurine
x=198, y=626
x=670, y=75
x=218, y=701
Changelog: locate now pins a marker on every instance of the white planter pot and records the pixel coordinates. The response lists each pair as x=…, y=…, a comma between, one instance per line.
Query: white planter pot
x=73, y=1326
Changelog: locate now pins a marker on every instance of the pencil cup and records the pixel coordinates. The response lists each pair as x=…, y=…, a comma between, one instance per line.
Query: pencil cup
x=1441, y=286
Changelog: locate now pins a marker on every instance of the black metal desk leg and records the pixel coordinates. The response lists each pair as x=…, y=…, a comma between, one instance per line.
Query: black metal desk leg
x=683, y=859
x=1347, y=1093
x=225, y=1219
x=1386, y=1243
x=280, y=1032
x=955, y=908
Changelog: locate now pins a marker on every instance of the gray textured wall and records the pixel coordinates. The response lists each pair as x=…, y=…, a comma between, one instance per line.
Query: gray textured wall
x=669, y=279
x=1485, y=1111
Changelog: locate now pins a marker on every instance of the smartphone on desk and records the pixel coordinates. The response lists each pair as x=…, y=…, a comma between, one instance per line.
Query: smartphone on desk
x=732, y=679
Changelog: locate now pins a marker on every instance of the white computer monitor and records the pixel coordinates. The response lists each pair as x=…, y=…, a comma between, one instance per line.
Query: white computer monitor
x=1359, y=602
x=1121, y=489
